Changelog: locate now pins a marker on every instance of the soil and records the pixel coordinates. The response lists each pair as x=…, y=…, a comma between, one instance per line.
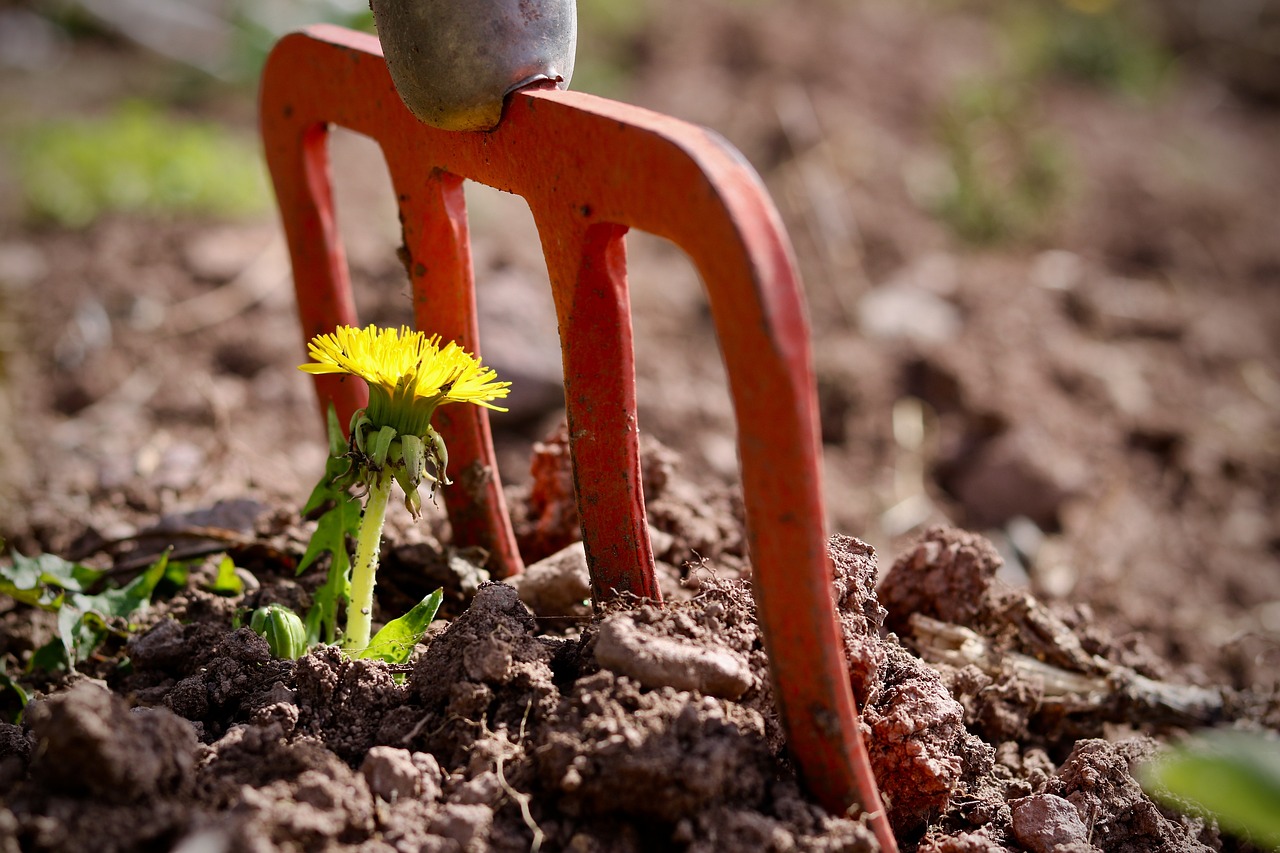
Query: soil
x=1060, y=455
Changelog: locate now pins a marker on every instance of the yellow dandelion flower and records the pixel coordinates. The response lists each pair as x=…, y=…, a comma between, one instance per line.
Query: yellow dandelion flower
x=408, y=373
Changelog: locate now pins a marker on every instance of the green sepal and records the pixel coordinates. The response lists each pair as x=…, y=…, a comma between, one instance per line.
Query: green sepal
x=381, y=446
x=357, y=428
x=412, y=502
x=410, y=473
x=440, y=453
x=414, y=454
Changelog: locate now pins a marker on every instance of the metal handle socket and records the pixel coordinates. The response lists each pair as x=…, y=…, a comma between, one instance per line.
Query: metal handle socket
x=455, y=61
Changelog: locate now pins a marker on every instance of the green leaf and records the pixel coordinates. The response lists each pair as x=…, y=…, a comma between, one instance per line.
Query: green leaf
x=1234, y=776
x=395, y=642
x=7, y=682
x=82, y=622
x=55, y=584
x=227, y=582
x=43, y=580
x=80, y=633
x=339, y=520
x=49, y=657
x=177, y=573
x=122, y=603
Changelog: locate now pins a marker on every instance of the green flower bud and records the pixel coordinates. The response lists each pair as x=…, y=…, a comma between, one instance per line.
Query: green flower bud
x=283, y=630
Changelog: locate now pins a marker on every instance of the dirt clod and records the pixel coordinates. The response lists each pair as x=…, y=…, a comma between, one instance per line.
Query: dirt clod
x=861, y=616
x=946, y=575
x=89, y=743
x=667, y=662
x=661, y=754
x=1097, y=781
x=345, y=700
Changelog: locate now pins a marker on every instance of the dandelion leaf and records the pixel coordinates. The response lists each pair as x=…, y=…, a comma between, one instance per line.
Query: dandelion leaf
x=337, y=517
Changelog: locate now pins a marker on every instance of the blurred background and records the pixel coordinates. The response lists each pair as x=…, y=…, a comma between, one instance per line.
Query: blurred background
x=1040, y=242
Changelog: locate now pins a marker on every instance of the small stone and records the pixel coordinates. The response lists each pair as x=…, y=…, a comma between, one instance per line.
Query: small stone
x=22, y=265
x=467, y=824
x=1018, y=473
x=1045, y=823
x=1058, y=269
x=655, y=661
x=912, y=303
x=558, y=585
x=392, y=773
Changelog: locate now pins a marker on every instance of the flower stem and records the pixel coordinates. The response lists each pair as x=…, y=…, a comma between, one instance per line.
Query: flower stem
x=368, y=543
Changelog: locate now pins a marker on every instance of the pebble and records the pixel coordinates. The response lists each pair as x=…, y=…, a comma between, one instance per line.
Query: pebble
x=655, y=661
x=1018, y=473
x=22, y=265
x=892, y=312
x=557, y=585
x=1045, y=823
x=391, y=773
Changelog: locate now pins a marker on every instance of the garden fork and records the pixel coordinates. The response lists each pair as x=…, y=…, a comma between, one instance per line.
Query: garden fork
x=590, y=169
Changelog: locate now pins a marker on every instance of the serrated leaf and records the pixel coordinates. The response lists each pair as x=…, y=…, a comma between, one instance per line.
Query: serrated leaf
x=395, y=642
x=339, y=520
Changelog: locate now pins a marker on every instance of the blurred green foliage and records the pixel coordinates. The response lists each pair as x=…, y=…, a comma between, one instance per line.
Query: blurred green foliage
x=1099, y=42
x=137, y=160
x=1230, y=775
x=1007, y=174
x=608, y=44
x=259, y=24
x=1007, y=171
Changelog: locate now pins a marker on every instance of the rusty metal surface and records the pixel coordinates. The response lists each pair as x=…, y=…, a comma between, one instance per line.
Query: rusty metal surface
x=590, y=169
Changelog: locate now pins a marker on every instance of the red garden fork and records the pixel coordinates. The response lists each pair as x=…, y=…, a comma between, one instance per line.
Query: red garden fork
x=590, y=169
